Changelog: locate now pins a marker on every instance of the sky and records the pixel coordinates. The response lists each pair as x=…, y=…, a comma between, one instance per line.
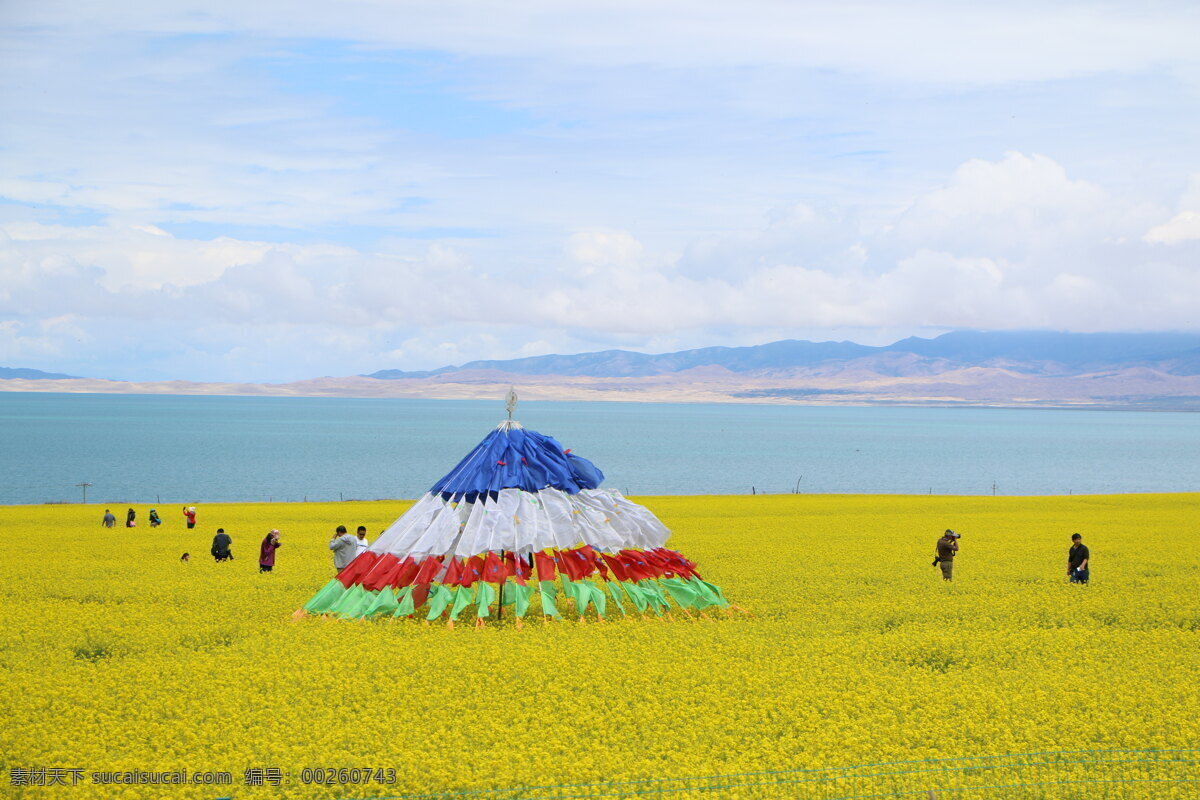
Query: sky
x=273, y=191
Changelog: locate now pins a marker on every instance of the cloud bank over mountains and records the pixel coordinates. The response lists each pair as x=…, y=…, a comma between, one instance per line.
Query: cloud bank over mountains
x=229, y=191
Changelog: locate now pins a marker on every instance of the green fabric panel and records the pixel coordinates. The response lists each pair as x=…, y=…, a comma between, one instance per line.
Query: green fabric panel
x=404, y=603
x=439, y=597
x=359, y=607
x=712, y=587
x=596, y=595
x=577, y=594
x=636, y=595
x=709, y=593
x=384, y=601
x=654, y=594
x=487, y=596
x=680, y=592
x=614, y=589
x=548, y=592
x=350, y=600
x=521, y=598
x=508, y=594
x=329, y=594
x=463, y=597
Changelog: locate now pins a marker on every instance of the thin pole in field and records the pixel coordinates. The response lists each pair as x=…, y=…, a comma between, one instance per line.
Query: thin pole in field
x=84, y=486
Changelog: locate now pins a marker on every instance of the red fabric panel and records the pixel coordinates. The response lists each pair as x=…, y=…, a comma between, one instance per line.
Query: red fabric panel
x=405, y=574
x=354, y=571
x=429, y=570
x=545, y=566
x=636, y=565
x=618, y=569
x=379, y=575
x=472, y=571
x=568, y=563
x=580, y=562
x=454, y=575
x=420, y=594
x=493, y=569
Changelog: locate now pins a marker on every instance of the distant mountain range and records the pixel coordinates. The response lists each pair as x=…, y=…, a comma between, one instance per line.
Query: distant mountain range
x=1025, y=352
x=1013, y=369
x=13, y=373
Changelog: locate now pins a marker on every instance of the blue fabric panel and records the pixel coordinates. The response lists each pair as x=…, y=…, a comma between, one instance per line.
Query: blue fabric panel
x=517, y=459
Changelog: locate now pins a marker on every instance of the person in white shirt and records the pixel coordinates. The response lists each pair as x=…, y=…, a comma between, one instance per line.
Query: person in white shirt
x=363, y=544
x=344, y=547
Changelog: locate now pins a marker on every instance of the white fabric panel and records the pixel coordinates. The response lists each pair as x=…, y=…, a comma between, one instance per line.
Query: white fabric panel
x=640, y=519
x=523, y=522
x=401, y=534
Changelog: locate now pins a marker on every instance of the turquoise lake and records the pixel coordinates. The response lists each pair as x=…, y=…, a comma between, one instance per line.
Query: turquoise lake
x=172, y=449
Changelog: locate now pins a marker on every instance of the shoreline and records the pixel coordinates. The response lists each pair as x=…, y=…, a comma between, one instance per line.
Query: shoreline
x=619, y=397
x=944, y=391
x=638, y=497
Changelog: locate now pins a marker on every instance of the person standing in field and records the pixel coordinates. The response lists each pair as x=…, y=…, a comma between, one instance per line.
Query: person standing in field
x=190, y=513
x=130, y=518
x=1077, y=560
x=155, y=521
x=344, y=547
x=220, y=546
x=947, y=546
x=109, y=519
x=363, y=543
x=266, y=553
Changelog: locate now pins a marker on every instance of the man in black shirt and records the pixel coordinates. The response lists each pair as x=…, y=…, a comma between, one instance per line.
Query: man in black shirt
x=1077, y=560
x=220, y=546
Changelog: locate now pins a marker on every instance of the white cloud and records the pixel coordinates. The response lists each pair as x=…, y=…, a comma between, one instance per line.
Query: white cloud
x=1182, y=227
x=1007, y=244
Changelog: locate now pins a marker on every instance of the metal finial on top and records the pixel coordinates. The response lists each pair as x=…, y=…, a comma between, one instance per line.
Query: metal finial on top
x=510, y=404
x=510, y=401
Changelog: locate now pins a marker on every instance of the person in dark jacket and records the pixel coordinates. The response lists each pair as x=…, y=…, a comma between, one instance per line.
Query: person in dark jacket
x=1077, y=560
x=155, y=520
x=130, y=518
x=220, y=546
x=266, y=552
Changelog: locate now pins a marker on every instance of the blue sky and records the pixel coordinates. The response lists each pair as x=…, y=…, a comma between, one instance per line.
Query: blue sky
x=274, y=191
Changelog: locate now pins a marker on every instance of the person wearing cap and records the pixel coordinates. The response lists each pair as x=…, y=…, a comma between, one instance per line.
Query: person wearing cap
x=344, y=547
x=266, y=552
x=1077, y=560
x=946, y=547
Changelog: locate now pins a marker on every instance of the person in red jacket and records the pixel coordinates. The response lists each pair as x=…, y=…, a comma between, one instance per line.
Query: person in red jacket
x=190, y=513
x=266, y=552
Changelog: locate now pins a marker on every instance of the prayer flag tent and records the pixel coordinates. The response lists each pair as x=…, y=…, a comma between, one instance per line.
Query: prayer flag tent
x=519, y=522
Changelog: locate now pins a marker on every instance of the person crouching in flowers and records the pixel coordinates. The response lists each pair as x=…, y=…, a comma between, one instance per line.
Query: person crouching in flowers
x=220, y=546
x=266, y=552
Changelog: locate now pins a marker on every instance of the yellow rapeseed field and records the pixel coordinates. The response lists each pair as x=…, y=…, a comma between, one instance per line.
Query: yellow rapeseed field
x=117, y=656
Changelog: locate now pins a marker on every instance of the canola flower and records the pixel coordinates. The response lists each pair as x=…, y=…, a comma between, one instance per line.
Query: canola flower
x=119, y=657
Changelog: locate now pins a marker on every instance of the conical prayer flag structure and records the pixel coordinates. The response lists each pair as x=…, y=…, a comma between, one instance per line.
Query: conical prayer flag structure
x=519, y=523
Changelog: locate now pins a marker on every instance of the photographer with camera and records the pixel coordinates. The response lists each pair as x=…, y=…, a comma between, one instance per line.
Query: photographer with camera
x=946, y=547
